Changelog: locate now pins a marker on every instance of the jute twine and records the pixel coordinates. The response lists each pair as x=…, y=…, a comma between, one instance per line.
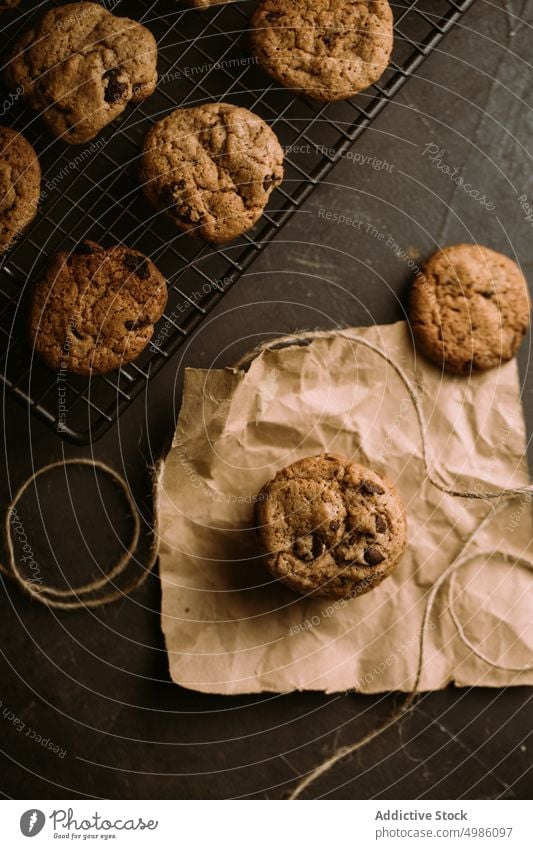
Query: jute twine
x=74, y=598
x=500, y=496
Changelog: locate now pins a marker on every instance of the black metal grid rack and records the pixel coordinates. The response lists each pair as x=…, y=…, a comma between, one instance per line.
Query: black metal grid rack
x=91, y=191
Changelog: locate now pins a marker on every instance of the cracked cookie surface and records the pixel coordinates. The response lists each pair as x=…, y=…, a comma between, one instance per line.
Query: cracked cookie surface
x=327, y=49
x=94, y=310
x=212, y=169
x=469, y=308
x=330, y=527
x=80, y=66
x=20, y=186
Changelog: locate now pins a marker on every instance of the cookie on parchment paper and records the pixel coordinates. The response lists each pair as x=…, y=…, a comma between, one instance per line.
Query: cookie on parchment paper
x=330, y=527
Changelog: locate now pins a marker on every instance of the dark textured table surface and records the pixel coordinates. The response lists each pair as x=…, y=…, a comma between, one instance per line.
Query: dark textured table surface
x=95, y=683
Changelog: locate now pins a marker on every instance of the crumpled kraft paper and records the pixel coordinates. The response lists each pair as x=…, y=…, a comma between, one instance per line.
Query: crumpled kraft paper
x=230, y=628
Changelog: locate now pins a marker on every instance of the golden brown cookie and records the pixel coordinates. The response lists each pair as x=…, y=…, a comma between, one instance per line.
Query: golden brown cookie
x=80, y=66
x=327, y=49
x=94, y=310
x=469, y=308
x=330, y=527
x=212, y=169
x=20, y=186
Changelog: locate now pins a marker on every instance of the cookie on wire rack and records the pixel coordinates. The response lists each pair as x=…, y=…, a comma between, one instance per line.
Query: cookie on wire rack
x=94, y=310
x=327, y=49
x=79, y=67
x=212, y=169
x=20, y=186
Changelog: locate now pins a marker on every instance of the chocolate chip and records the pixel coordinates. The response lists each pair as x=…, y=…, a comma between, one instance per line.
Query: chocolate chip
x=269, y=181
x=318, y=546
x=138, y=324
x=381, y=524
x=137, y=264
x=131, y=261
x=184, y=214
x=188, y=214
x=309, y=547
x=168, y=195
x=370, y=488
x=272, y=16
x=115, y=90
x=334, y=526
x=373, y=556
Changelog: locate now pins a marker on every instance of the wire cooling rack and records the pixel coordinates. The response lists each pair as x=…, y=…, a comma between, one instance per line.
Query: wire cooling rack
x=91, y=191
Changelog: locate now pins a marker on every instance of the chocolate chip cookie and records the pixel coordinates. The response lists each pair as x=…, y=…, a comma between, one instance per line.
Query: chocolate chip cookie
x=330, y=527
x=20, y=186
x=94, y=310
x=212, y=169
x=327, y=49
x=469, y=308
x=80, y=66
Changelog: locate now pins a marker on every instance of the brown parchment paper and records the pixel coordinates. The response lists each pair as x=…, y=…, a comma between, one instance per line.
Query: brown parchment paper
x=230, y=628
